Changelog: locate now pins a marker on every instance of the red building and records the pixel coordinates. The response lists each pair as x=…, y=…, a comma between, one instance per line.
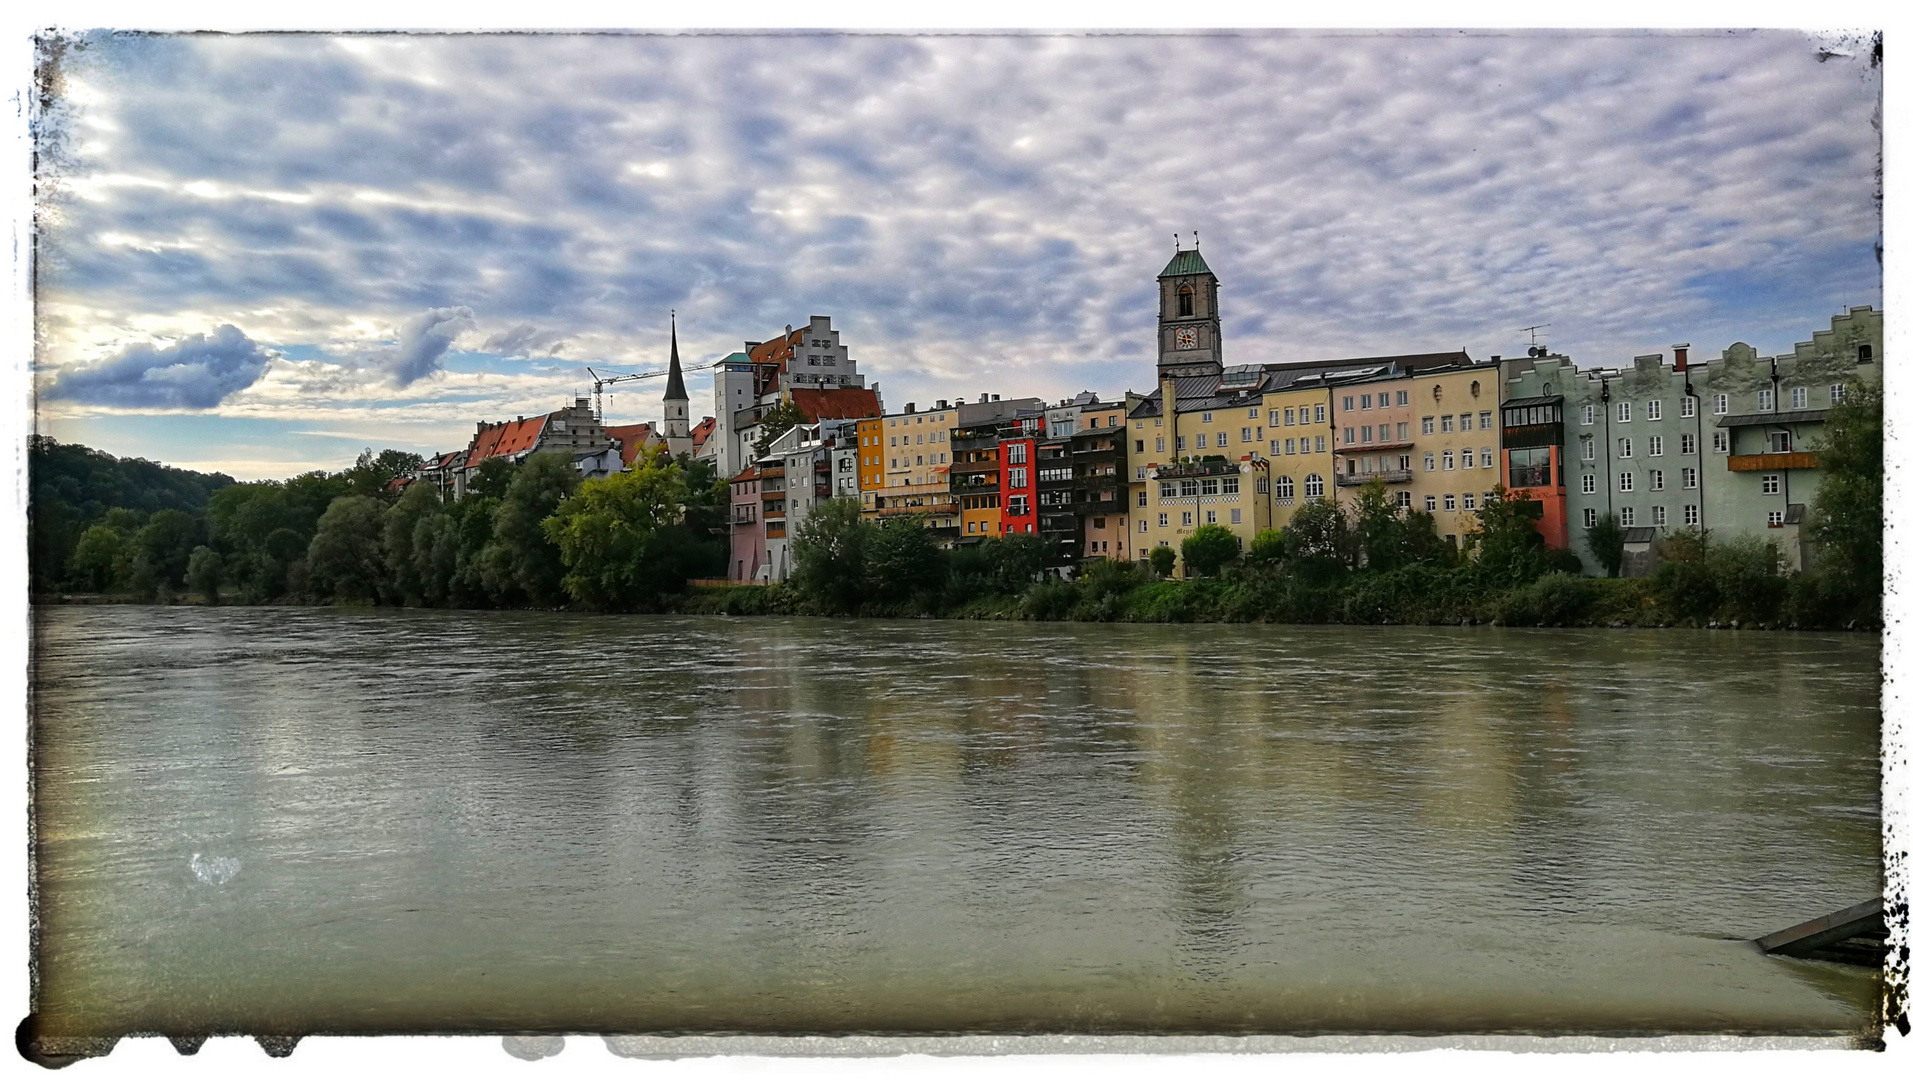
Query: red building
x=1531, y=440
x=1016, y=457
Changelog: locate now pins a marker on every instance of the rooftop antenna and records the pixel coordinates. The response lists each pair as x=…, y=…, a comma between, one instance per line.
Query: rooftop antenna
x=1197, y=233
x=1178, y=237
x=1535, y=348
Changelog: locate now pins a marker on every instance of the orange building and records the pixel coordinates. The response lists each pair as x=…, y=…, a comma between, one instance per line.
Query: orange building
x=869, y=461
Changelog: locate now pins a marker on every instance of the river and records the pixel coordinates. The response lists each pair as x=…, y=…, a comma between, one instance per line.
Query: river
x=329, y=820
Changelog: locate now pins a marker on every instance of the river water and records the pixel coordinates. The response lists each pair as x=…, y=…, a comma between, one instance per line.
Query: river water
x=306, y=820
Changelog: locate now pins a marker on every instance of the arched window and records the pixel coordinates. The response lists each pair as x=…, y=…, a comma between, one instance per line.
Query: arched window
x=1312, y=486
x=1185, y=302
x=1284, y=488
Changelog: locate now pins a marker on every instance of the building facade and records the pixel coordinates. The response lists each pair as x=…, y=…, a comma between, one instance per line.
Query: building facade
x=748, y=384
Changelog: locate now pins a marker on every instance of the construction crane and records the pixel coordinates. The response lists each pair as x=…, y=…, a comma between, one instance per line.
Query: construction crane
x=599, y=382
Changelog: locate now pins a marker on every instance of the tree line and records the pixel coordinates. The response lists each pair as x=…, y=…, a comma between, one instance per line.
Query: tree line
x=1370, y=561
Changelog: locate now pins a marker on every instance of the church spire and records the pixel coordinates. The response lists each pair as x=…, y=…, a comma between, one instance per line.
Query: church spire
x=674, y=385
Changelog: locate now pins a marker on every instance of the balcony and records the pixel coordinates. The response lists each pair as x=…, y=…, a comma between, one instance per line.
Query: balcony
x=1771, y=462
x=1368, y=448
x=958, y=468
x=1391, y=476
x=1205, y=467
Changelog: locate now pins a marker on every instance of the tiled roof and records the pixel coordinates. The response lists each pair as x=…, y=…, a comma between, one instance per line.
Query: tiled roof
x=508, y=438
x=1201, y=393
x=631, y=439
x=843, y=403
x=703, y=431
x=779, y=348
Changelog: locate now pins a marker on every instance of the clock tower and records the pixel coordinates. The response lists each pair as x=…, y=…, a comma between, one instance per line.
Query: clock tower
x=1189, y=328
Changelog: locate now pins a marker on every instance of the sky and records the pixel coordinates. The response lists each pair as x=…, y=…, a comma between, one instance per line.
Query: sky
x=261, y=254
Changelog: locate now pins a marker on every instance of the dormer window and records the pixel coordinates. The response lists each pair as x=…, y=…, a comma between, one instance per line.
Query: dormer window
x=1185, y=302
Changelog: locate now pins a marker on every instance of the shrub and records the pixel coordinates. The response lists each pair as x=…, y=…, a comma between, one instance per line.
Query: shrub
x=1208, y=549
x=1162, y=560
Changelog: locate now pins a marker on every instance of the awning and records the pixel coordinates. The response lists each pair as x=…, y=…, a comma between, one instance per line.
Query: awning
x=1530, y=402
x=1796, y=416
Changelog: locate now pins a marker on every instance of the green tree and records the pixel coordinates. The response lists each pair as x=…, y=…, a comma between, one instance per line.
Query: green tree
x=781, y=418
x=346, y=559
x=522, y=562
x=491, y=479
x=1265, y=551
x=1509, y=549
x=203, y=572
x=1380, y=533
x=616, y=536
x=1683, y=582
x=1604, y=539
x=901, y=560
x=1162, y=560
x=100, y=559
x=163, y=548
x=372, y=474
x=827, y=553
x=1848, y=519
x=420, y=501
x=1207, y=550
x=1319, y=540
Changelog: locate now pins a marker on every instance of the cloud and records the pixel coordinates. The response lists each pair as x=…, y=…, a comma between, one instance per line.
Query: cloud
x=524, y=340
x=197, y=373
x=422, y=340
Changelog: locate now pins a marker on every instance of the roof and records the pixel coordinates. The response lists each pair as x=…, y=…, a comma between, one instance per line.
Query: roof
x=631, y=438
x=1637, y=535
x=1186, y=262
x=842, y=403
x=1234, y=386
x=505, y=440
x=1793, y=416
x=703, y=431
x=674, y=384
x=1530, y=402
x=778, y=349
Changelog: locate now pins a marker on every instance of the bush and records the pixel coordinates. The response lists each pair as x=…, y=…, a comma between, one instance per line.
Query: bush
x=1207, y=550
x=1162, y=561
x=1050, y=600
x=1748, y=579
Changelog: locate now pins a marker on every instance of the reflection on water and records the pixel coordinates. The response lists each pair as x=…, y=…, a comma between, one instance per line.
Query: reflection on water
x=313, y=820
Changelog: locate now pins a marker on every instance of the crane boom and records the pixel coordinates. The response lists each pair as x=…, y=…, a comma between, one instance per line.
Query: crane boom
x=599, y=382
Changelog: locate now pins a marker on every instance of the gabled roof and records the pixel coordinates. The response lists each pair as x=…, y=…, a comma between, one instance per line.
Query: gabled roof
x=631, y=439
x=504, y=440
x=842, y=403
x=778, y=349
x=703, y=431
x=1186, y=262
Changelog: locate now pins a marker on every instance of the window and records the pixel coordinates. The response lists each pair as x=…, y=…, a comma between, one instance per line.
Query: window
x=1019, y=506
x=1142, y=496
x=1019, y=478
x=1162, y=520
x=1208, y=487
x=1245, y=431
x=1467, y=458
x=1288, y=417
x=1624, y=412
x=1368, y=401
x=1253, y=413
x=1231, y=485
x=1448, y=501
x=1288, y=445
x=1447, y=460
x=1428, y=462
x=1368, y=433
x=1188, y=517
x=1189, y=489
x=1720, y=404
x=1865, y=353
x=1139, y=446
x=1799, y=397
x=1624, y=448
x=1690, y=514
x=1468, y=500
x=1312, y=486
x=1401, y=399
x=1348, y=403
x=1690, y=478
x=1487, y=419
x=1764, y=401
x=1627, y=516
x=1222, y=439
x=1770, y=484
x=1467, y=422
x=1775, y=519
x=1348, y=436
x=1429, y=504
x=1720, y=442
x=1427, y=425
x=1659, y=515
x=1626, y=482
x=1587, y=448
x=1284, y=488
x=1447, y=424
x=1319, y=444
x=1587, y=415
x=1487, y=457
x=1401, y=431
x=1321, y=412
x=1654, y=409
x=1202, y=442
x=1687, y=443
x=1837, y=393
x=1182, y=442
x=1019, y=452
x=1185, y=302
x=1780, y=442
x=1653, y=446
x=1587, y=517
x=1208, y=418
x=1235, y=516
x=1529, y=468
x=1689, y=407
x=1209, y=517
x=1656, y=480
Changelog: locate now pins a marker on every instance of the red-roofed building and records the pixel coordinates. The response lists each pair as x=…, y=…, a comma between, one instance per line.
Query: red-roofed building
x=633, y=439
x=807, y=359
x=573, y=430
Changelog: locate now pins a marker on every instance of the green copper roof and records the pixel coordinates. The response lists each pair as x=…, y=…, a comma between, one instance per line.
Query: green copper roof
x=1186, y=262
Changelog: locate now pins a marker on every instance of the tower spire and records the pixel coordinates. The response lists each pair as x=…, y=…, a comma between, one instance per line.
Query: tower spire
x=674, y=384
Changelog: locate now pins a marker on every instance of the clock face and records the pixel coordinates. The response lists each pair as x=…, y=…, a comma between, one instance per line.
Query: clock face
x=1186, y=338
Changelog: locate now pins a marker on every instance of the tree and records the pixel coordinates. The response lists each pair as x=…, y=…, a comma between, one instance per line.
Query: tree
x=346, y=559
x=100, y=559
x=1380, y=534
x=1604, y=539
x=492, y=478
x=1509, y=549
x=1162, y=560
x=827, y=553
x=1208, y=549
x=621, y=538
x=1848, y=519
x=522, y=560
x=203, y=573
x=781, y=418
x=402, y=519
x=901, y=559
x=1319, y=541
x=1265, y=551
x=163, y=548
x=373, y=473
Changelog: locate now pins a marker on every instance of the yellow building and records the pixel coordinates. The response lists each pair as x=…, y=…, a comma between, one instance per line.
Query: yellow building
x=1457, y=441
x=915, y=450
x=1195, y=460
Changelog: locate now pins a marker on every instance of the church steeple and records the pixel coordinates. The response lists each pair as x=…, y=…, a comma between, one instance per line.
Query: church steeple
x=676, y=430
x=1189, y=321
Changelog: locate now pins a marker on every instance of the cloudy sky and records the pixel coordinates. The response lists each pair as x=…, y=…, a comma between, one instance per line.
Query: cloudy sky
x=261, y=254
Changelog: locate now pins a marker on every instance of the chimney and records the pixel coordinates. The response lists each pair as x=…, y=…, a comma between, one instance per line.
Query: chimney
x=942, y=404
x=996, y=397
x=1495, y=359
x=1680, y=356
x=909, y=407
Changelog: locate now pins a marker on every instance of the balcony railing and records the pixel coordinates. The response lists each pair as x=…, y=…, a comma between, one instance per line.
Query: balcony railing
x=1392, y=476
x=960, y=467
x=1180, y=469
x=1771, y=462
